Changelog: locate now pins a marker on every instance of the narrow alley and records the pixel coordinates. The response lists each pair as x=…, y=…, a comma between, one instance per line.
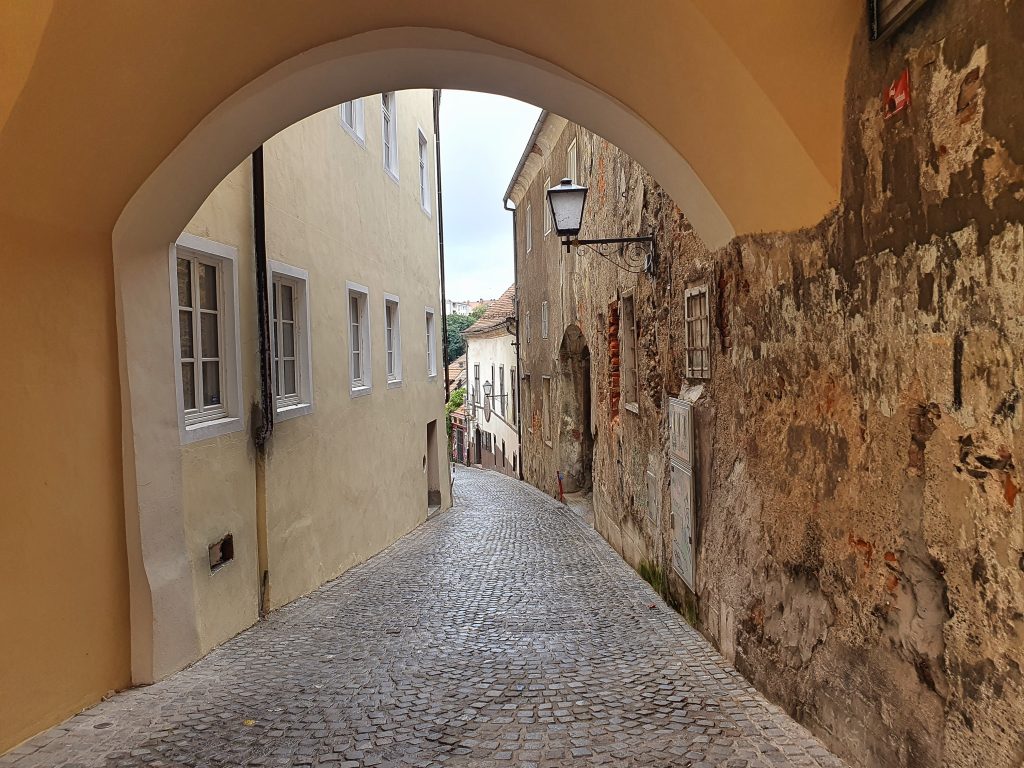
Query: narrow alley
x=503, y=632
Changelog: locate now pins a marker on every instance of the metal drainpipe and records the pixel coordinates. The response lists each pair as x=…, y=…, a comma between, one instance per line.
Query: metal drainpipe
x=265, y=426
x=519, y=365
x=440, y=240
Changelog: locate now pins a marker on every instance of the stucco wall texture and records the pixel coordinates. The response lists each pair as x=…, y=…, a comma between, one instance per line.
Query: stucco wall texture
x=860, y=536
x=335, y=488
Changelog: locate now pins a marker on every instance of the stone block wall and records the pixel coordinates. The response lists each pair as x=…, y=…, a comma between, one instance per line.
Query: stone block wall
x=860, y=534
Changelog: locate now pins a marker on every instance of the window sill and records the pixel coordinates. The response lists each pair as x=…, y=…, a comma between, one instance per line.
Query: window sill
x=204, y=430
x=360, y=140
x=360, y=391
x=431, y=375
x=548, y=444
x=394, y=383
x=393, y=175
x=632, y=407
x=426, y=211
x=291, y=411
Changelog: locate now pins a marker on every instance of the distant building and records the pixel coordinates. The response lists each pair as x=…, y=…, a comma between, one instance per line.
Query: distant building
x=457, y=307
x=493, y=398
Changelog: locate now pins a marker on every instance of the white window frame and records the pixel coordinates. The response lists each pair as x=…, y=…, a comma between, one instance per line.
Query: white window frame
x=548, y=220
x=357, y=128
x=513, y=394
x=501, y=391
x=697, y=329
x=430, y=320
x=423, y=146
x=363, y=384
x=228, y=418
x=302, y=402
x=394, y=376
x=544, y=320
x=628, y=358
x=572, y=162
x=389, y=133
x=476, y=388
x=529, y=227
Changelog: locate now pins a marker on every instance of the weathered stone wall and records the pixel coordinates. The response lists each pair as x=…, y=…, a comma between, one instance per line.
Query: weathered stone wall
x=860, y=533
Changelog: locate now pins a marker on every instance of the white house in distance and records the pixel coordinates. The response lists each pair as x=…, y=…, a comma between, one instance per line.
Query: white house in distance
x=493, y=393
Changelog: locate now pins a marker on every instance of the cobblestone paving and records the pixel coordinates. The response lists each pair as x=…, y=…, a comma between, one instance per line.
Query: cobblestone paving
x=504, y=632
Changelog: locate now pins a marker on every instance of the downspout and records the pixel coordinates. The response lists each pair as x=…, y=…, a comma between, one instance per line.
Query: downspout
x=440, y=239
x=263, y=419
x=519, y=365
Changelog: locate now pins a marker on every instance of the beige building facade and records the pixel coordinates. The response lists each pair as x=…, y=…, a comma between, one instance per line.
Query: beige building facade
x=492, y=397
x=355, y=455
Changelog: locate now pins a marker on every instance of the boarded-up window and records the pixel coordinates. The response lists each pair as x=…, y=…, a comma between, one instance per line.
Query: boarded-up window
x=698, y=333
x=546, y=410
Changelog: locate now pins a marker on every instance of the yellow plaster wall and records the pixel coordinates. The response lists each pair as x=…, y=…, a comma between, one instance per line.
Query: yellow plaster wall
x=219, y=474
x=64, y=635
x=346, y=480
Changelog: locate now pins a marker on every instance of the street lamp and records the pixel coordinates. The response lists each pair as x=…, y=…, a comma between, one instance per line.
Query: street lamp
x=566, y=201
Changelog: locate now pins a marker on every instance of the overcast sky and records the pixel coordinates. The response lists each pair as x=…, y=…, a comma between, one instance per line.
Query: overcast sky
x=482, y=139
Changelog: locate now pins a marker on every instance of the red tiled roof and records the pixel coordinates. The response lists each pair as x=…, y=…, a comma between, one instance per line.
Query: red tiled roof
x=501, y=308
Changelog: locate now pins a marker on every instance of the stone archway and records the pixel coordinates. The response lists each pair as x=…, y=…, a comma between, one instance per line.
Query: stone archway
x=576, y=436
x=173, y=98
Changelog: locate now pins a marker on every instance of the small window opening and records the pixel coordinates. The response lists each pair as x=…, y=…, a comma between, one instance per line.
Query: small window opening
x=222, y=552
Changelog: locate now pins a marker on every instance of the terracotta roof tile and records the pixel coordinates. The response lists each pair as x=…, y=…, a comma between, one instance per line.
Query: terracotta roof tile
x=501, y=308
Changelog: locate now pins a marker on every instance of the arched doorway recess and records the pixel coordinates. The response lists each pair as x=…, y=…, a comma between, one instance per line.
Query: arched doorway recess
x=576, y=437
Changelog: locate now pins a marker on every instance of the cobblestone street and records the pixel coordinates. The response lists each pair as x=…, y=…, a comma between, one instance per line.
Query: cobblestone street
x=504, y=632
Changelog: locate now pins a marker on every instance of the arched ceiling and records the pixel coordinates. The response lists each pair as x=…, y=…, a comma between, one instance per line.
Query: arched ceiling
x=748, y=97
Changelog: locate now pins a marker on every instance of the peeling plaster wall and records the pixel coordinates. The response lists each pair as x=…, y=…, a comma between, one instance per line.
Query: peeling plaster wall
x=860, y=533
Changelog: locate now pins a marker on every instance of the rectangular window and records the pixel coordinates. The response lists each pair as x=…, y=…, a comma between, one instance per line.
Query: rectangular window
x=698, y=333
x=544, y=320
x=392, y=340
x=389, y=132
x=360, y=372
x=476, y=383
x=529, y=332
x=501, y=390
x=353, y=121
x=424, y=172
x=529, y=227
x=514, y=390
x=627, y=344
x=431, y=344
x=570, y=163
x=547, y=208
x=545, y=407
x=290, y=340
x=204, y=290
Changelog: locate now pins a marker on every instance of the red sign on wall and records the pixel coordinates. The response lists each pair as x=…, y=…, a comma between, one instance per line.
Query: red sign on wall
x=898, y=96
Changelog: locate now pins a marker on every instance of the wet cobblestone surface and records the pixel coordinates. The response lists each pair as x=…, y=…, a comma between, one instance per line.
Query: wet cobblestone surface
x=503, y=632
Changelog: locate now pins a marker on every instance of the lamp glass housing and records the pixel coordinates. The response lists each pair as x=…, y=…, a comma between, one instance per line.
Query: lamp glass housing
x=488, y=388
x=567, y=201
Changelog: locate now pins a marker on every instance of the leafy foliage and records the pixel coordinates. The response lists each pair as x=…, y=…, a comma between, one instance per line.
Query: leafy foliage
x=456, y=325
x=455, y=401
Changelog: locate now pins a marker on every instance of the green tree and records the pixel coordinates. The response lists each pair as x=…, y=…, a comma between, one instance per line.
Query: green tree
x=456, y=325
x=455, y=401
